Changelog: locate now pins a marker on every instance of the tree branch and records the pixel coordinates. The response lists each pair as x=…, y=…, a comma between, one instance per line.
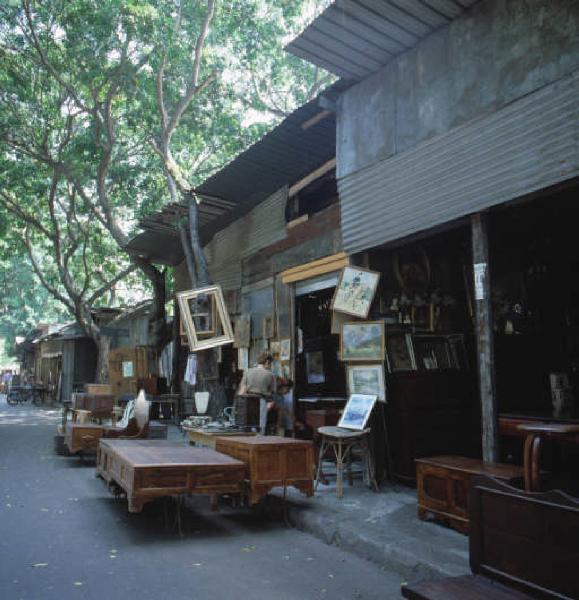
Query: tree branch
x=47, y=64
x=105, y=288
x=39, y=273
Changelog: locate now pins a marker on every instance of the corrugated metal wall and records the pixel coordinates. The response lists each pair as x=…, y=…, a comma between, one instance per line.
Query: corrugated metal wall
x=68, y=351
x=263, y=226
x=531, y=144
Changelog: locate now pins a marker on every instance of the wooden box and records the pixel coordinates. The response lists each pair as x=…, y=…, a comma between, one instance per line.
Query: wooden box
x=100, y=389
x=96, y=403
x=272, y=461
x=443, y=486
x=83, y=438
x=148, y=469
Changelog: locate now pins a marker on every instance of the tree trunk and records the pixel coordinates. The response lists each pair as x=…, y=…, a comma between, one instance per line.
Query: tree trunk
x=103, y=348
x=207, y=365
x=158, y=330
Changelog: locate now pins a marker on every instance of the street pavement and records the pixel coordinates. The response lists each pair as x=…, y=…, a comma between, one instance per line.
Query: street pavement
x=62, y=535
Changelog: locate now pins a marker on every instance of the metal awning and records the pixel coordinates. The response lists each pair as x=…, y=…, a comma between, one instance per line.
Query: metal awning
x=355, y=38
x=302, y=142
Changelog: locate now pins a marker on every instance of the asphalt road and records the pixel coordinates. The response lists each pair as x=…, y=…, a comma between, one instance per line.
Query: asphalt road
x=62, y=535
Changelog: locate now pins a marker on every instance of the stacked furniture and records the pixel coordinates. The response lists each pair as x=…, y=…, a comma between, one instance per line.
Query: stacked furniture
x=522, y=546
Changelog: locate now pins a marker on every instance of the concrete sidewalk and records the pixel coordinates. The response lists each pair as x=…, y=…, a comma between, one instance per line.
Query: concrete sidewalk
x=382, y=527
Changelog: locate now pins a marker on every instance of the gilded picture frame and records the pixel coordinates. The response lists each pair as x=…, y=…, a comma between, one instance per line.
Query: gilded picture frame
x=223, y=332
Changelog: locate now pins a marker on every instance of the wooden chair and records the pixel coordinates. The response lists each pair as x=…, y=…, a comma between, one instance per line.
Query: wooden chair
x=85, y=437
x=343, y=442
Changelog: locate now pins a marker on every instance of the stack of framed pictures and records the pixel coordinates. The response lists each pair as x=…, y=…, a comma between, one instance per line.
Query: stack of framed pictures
x=411, y=352
x=361, y=342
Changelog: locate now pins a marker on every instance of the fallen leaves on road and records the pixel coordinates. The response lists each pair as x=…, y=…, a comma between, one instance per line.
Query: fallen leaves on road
x=78, y=583
x=248, y=548
x=40, y=565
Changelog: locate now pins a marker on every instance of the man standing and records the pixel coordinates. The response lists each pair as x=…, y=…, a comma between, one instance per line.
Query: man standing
x=260, y=381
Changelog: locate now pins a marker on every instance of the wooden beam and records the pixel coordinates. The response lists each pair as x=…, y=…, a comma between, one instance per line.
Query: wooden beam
x=328, y=264
x=315, y=119
x=302, y=183
x=484, y=337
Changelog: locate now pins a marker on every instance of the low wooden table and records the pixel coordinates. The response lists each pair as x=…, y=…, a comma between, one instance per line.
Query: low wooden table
x=149, y=469
x=272, y=461
x=202, y=437
x=535, y=434
x=443, y=486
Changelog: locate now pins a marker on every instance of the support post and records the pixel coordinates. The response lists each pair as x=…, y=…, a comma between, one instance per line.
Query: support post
x=484, y=337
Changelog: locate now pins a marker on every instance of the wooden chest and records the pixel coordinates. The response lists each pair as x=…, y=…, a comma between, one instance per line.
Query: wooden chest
x=94, y=402
x=443, y=486
x=83, y=438
x=272, y=461
x=148, y=469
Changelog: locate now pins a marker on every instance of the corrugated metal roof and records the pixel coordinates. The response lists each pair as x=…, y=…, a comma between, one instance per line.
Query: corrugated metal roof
x=529, y=145
x=355, y=38
x=283, y=156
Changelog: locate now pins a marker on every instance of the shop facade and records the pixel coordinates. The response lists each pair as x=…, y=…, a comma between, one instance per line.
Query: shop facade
x=449, y=140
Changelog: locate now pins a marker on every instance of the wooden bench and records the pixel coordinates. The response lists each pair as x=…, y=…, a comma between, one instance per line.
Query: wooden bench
x=443, y=482
x=523, y=546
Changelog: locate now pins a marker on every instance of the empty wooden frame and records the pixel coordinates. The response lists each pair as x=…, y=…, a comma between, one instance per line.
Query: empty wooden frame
x=205, y=318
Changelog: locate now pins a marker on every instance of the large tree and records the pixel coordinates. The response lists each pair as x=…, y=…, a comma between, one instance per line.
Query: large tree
x=111, y=108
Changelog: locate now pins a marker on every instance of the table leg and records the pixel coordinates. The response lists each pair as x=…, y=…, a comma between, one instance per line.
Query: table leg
x=320, y=458
x=339, y=469
x=532, y=462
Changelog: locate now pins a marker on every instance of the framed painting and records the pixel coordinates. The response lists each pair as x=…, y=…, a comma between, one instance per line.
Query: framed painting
x=268, y=327
x=242, y=331
x=432, y=352
x=362, y=341
x=357, y=411
x=399, y=352
x=315, y=367
x=368, y=380
x=285, y=349
x=355, y=291
x=214, y=329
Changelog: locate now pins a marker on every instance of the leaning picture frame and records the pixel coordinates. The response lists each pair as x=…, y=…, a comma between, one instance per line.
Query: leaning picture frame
x=362, y=341
x=355, y=291
x=400, y=352
x=367, y=379
x=222, y=330
x=357, y=411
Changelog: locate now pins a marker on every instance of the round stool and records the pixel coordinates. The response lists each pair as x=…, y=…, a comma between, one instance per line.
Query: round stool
x=342, y=442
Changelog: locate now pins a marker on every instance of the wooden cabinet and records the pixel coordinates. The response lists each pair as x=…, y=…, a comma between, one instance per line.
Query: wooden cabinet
x=272, y=461
x=443, y=486
x=431, y=413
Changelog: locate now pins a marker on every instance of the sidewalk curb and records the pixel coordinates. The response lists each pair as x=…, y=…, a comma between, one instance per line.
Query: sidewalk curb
x=388, y=554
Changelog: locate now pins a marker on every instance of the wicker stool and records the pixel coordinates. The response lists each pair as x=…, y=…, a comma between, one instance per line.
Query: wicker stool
x=342, y=442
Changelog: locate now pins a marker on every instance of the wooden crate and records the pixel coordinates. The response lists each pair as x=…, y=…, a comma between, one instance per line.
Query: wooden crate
x=443, y=486
x=272, y=461
x=149, y=469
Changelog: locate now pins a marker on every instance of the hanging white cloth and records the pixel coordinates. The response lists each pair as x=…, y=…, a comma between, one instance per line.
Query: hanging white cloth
x=191, y=370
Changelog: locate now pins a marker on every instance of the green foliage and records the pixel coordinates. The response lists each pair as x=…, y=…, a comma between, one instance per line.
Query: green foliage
x=54, y=137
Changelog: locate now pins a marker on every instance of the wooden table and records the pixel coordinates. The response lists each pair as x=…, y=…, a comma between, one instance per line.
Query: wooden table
x=202, y=437
x=149, y=469
x=443, y=486
x=535, y=434
x=272, y=461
